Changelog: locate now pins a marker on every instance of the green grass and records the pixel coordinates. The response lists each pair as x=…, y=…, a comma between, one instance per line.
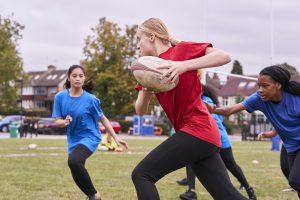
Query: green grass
x=43, y=173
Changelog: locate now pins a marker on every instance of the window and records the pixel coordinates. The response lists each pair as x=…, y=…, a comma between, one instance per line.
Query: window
x=260, y=118
x=225, y=101
x=53, y=90
x=49, y=77
x=36, y=77
x=62, y=76
x=251, y=85
x=242, y=84
x=40, y=91
x=40, y=104
x=54, y=76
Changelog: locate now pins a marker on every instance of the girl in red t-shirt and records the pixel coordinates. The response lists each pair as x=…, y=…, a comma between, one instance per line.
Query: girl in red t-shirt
x=197, y=141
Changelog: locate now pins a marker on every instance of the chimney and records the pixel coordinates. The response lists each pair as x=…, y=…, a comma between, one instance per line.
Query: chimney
x=51, y=68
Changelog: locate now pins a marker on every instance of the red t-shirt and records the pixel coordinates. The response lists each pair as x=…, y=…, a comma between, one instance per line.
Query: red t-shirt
x=183, y=104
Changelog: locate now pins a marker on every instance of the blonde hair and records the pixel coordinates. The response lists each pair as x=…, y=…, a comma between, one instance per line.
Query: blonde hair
x=157, y=27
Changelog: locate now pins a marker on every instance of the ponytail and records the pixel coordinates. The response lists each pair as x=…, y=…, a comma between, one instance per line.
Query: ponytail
x=210, y=92
x=158, y=28
x=173, y=42
x=88, y=86
x=293, y=87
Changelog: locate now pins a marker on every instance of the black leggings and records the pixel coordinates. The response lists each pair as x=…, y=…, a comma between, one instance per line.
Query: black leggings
x=76, y=162
x=231, y=165
x=294, y=176
x=176, y=152
x=284, y=162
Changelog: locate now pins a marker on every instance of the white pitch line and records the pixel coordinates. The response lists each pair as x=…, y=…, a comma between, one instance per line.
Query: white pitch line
x=28, y=155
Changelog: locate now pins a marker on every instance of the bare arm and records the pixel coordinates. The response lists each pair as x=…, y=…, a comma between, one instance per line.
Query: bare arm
x=268, y=134
x=142, y=102
x=213, y=58
x=228, y=110
x=109, y=129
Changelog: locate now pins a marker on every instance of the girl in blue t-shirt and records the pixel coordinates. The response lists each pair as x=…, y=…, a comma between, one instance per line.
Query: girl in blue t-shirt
x=79, y=111
x=279, y=99
x=209, y=96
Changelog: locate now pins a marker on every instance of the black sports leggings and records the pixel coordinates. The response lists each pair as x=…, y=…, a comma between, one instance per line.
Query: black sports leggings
x=284, y=162
x=176, y=152
x=294, y=176
x=231, y=165
x=76, y=162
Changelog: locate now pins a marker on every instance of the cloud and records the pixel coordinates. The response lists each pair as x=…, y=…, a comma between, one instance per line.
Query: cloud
x=55, y=30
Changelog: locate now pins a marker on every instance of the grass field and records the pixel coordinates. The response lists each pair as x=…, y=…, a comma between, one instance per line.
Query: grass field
x=43, y=173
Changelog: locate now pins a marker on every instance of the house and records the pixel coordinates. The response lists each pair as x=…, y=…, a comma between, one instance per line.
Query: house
x=39, y=90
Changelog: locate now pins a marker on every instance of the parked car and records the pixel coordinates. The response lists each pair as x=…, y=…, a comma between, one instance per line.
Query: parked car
x=116, y=126
x=6, y=121
x=47, y=126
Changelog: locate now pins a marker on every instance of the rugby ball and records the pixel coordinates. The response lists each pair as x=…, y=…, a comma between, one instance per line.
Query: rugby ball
x=146, y=72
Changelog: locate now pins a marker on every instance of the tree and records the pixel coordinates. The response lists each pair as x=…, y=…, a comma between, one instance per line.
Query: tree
x=290, y=68
x=108, y=53
x=237, y=68
x=10, y=64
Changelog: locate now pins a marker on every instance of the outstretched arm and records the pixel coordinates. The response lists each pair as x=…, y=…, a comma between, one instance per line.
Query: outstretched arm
x=109, y=129
x=226, y=110
x=268, y=134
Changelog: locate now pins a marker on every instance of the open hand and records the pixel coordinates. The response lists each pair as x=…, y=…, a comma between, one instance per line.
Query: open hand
x=124, y=143
x=174, y=69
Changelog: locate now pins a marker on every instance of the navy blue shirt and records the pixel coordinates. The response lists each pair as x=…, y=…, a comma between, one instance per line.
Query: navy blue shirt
x=284, y=116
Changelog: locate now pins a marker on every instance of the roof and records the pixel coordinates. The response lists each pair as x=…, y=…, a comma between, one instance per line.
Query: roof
x=50, y=77
x=235, y=86
x=238, y=86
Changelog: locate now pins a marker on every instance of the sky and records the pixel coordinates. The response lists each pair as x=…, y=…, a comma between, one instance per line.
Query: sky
x=55, y=30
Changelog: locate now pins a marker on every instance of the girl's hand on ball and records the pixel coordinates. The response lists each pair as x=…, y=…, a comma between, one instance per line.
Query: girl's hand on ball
x=175, y=68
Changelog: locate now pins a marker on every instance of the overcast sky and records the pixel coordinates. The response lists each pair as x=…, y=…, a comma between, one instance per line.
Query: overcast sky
x=55, y=29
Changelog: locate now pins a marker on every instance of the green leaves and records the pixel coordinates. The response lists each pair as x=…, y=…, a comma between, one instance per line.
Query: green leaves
x=10, y=63
x=108, y=53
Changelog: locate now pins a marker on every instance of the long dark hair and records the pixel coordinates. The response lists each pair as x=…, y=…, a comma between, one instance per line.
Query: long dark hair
x=88, y=84
x=210, y=92
x=282, y=76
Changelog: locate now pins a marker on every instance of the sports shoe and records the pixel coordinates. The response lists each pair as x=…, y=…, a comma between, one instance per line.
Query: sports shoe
x=251, y=193
x=188, y=195
x=183, y=182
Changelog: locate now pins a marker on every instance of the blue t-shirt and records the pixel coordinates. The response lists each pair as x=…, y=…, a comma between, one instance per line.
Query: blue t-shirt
x=284, y=116
x=219, y=119
x=85, y=111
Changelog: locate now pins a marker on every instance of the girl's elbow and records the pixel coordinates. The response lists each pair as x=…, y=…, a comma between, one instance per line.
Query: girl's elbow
x=226, y=58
